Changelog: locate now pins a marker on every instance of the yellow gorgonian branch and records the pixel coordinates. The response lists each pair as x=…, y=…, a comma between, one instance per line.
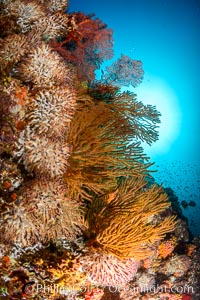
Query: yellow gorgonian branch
x=99, y=153
x=142, y=120
x=128, y=223
x=129, y=236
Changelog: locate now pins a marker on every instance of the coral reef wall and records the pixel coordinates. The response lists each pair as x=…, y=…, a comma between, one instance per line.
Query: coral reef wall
x=79, y=206
x=49, y=108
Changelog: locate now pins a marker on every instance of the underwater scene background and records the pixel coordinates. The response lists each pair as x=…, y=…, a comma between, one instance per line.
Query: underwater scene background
x=91, y=95
x=165, y=36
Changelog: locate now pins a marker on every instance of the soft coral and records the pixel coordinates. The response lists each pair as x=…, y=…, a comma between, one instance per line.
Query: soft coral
x=86, y=45
x=186, y=297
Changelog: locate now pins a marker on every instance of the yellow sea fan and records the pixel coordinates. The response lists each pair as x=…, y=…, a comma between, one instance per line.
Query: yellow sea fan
x=129, y=224
x=99, y=153
x=143, y=119
x=128, y=236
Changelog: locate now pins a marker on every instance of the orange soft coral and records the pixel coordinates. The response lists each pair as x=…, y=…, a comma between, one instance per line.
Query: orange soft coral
x=165, y=249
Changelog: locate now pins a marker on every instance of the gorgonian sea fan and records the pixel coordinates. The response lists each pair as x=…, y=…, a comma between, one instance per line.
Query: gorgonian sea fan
x=86, y=45
x=128, y=223
x=124, y=71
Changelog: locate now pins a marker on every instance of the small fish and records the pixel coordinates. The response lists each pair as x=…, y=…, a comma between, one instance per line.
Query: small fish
x=184, y=204
x=192, y=203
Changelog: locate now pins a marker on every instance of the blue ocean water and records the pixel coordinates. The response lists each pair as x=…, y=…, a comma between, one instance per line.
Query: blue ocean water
x=165, y=36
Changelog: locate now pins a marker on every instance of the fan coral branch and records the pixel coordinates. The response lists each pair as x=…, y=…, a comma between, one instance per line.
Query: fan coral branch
x=98, y=156
x=141, y=120
x=128, y=236
x=125, y=71
x=130, y=220
x=86, y=45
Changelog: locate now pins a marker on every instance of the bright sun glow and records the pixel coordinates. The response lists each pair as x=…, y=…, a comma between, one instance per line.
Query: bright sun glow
x=156, y=92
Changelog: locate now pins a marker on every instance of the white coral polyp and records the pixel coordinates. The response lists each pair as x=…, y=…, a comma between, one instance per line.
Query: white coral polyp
x=50, y=27
x=55, y=5
x=26, y=13
x=51, y=210
x=13, y=48
x=52, y=111
x=17, y=227
x=108, y=270
x=45, y=68
x=145, y=282
x=41, y=155
x=44, y=213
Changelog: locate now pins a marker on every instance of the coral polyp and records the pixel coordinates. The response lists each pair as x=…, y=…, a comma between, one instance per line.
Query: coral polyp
x=41, y=142
x=42, y=155
x=44, y=68
x=78, y=201
x=55, y=5
x=25, y=12
x=44, y=213
x=18, y=228
x=12, y=49
x=48, y=108
x=108, y=270
x=49, y=27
